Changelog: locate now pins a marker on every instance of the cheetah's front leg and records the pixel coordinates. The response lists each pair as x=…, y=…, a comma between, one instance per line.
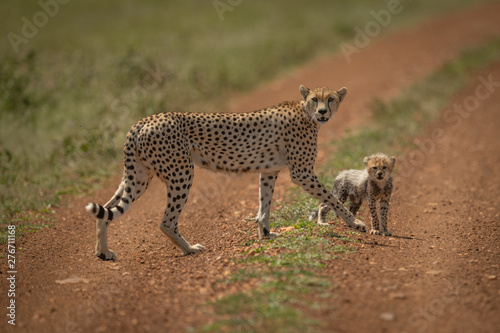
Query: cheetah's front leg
x=266, y=189
x=310, y=183
x=324, y=209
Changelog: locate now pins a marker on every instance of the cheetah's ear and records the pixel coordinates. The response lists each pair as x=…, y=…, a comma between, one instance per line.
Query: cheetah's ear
x=342, y=92
x=365, y=160
x=393, y=160
x=304, y=91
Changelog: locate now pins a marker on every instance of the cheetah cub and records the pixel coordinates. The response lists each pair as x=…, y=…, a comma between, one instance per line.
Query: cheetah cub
x=373, y=183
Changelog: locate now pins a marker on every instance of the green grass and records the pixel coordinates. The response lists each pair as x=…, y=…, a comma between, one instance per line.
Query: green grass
x=288, y=268
x=290, y=284
x=69, y=95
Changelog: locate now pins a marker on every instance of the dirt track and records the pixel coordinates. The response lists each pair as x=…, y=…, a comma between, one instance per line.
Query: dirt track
x=440, y=273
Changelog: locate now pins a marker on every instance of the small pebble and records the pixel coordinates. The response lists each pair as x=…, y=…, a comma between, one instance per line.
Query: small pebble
x=387, y=316
x=397, y=296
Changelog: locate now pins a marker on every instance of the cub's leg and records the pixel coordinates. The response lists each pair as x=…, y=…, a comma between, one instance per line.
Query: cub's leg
x=354, y=205
x=384, y=210
x=321, y=213
x=266, y=190
x=178, y=187
x=372, y=204
x=310, y=183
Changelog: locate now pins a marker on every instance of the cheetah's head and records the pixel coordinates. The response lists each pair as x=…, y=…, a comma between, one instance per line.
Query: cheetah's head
x=379, y=166
x=321, y=103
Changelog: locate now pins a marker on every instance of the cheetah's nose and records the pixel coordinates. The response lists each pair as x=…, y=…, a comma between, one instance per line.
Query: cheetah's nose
x=322, y=111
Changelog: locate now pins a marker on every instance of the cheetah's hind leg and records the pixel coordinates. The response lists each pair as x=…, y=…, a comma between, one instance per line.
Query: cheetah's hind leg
x=101, y=248
x=176, y=199
x=131, y=188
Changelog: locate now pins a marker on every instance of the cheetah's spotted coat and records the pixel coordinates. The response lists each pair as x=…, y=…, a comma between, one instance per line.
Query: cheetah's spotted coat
x=168, y=145
x=372, y=184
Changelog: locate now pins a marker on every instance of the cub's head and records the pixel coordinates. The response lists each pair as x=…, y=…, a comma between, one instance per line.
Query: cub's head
x=321, y=103
x=379, y=166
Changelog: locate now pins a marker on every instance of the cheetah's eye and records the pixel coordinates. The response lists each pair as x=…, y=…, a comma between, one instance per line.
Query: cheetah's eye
x=330, y=99
x=384, y=167
x=374, y=168
x=314, y=99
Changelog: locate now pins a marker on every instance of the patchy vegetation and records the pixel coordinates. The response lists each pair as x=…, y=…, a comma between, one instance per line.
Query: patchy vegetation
x=288, y=268
x=71, y=91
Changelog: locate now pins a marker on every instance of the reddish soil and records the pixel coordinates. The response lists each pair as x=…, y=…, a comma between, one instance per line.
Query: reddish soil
x=440, y=272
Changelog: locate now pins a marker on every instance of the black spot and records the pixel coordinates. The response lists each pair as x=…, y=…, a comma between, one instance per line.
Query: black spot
x=266, y=232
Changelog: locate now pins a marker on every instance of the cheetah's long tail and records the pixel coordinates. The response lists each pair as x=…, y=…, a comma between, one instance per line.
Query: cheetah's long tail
x=118, y=205
x=103, y=213
x=124, y=196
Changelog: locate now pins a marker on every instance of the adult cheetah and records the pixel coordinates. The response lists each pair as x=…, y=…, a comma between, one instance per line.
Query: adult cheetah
x=169, y=144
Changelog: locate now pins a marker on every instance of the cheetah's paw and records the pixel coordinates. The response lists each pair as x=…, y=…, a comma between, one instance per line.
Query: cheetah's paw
x=386, y=233
x=106, y=255
x=194, y=249
x=272, y=235
x=359, y=225
x=374, y=232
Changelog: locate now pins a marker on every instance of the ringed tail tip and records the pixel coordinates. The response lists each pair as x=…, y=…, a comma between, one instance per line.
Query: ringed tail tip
x=90, y=208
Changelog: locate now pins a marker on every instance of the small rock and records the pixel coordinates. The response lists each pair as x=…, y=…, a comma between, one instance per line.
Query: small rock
x=72, y=280
x=491, y=277
x=397, y=296
x=434, y=272
x=387, y=316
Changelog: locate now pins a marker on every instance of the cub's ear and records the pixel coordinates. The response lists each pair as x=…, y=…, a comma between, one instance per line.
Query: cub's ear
x=304, y=91
x=342, y=92
x=393, y=160
x=365, y=160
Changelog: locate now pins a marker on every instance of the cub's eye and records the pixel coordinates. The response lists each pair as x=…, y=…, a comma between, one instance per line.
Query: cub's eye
x=374, y=168
x=314, y=99
x=384, y=167
x=330, y=99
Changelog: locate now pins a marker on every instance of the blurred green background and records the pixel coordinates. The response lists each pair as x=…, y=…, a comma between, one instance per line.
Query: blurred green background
x=90, y=69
